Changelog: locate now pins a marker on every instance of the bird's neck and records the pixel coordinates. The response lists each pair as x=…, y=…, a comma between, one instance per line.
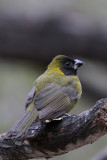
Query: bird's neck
x=55, y=69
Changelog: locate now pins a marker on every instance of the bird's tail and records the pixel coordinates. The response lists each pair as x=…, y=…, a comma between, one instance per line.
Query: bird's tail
x=24, y=122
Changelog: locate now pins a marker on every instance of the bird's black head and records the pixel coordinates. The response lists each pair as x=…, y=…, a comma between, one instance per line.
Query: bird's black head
x=66, y=64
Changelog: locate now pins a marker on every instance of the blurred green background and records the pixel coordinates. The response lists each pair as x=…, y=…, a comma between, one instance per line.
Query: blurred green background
x=31, y=34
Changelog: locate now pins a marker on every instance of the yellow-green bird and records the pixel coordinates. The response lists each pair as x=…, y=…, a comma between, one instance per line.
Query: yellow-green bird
x=54, y=93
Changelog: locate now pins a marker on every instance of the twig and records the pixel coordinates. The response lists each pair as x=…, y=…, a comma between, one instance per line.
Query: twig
x=45, y=140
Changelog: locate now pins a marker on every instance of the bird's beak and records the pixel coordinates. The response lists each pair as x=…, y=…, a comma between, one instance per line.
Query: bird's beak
x=78, y=63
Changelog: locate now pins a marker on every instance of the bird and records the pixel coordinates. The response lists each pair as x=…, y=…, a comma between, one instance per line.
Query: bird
x=54, y=94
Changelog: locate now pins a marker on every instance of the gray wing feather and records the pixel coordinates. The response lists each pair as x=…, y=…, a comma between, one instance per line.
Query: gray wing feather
x=53, y=101
x=30, y=96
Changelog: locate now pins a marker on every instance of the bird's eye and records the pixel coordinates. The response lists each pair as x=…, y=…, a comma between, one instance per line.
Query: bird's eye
x=67, y=63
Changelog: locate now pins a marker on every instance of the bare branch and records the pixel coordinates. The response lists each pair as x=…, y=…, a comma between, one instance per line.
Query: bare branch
x=44, y=140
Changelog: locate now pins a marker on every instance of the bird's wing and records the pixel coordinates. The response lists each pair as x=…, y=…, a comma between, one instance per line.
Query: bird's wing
x=30, y=96
x=54, y=100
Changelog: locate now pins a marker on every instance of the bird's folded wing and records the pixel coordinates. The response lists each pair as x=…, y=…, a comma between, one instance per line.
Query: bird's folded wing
x=54, y=100
x=30, y=96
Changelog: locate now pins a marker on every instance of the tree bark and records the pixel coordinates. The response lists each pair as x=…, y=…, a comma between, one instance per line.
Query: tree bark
x=45, y=140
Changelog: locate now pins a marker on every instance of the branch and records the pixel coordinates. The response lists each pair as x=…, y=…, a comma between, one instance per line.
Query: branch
x=45, y=140
x=50, y=35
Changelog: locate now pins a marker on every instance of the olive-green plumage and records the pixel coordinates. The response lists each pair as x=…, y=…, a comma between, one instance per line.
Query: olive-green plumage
x=54, y=93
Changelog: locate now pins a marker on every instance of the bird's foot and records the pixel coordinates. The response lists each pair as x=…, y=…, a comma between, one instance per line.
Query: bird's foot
x=56, y=119
x=66, y=115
